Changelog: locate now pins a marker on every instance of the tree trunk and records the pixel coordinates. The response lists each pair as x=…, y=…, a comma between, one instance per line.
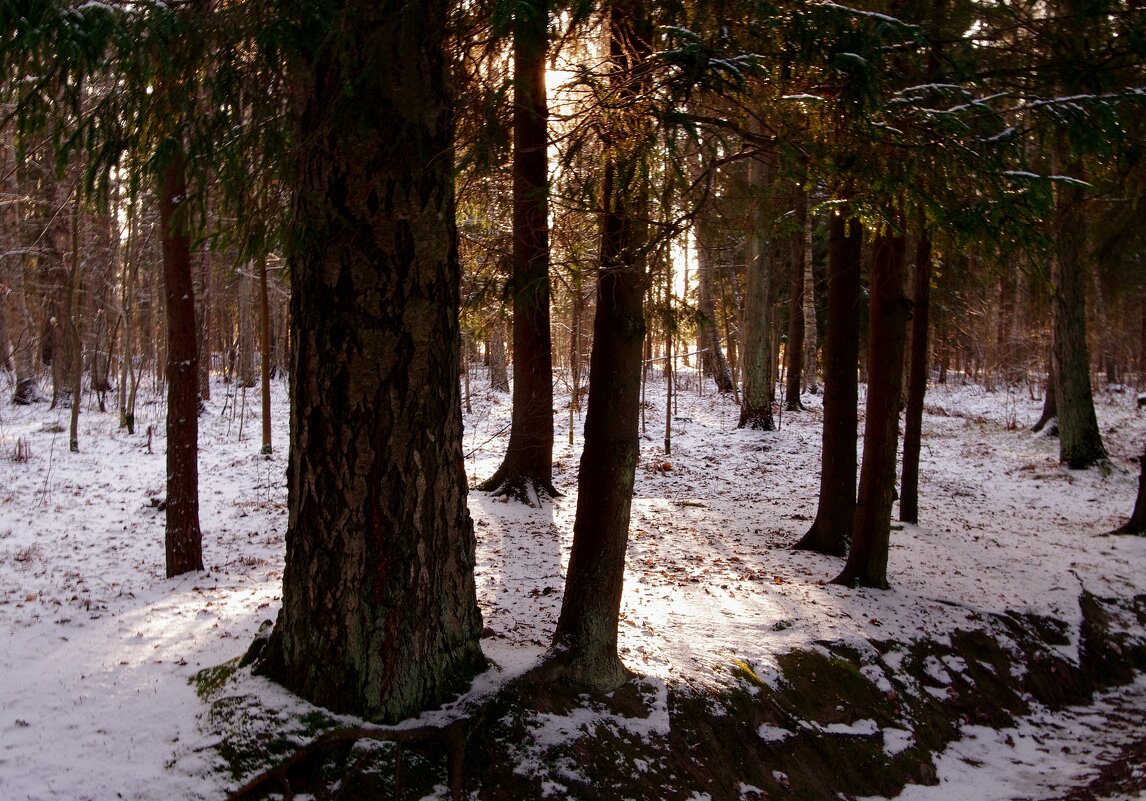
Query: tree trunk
x=916, y=383
x=247, y=338
x=1050, y=404
x=584, y=649
x=380, y=615
x=832, y=529
x=205, y=297
x=184, y=541
x=756, y=405
x=527, y=469
x=21, y=328
x=265, y=346
x=1137, y=522
x=1079, y=441
x=871, y=535
x=794, y=349
x=810, y=332
x=712, y=361
x=498, y=368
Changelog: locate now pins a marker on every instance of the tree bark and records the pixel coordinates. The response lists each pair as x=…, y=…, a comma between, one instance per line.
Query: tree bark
x=794, y=349
x=871, y=534
x=1080, y=442
x=759, y=383
x=584, y=649
x=184, y=540
x=527, y=469
x=380, y=615
x=810, y=331
x=21, y=328
x=265, y=347
x=916, y=383
x=1137, y=522
x=835, y=515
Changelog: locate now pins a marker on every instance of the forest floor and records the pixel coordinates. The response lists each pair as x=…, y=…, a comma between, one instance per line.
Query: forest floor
x=99, y=652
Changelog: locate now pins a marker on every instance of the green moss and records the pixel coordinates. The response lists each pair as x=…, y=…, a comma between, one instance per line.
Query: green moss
x=209, y=681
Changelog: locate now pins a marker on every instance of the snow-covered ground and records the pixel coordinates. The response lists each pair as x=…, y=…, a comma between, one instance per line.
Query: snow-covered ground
x=97, y=646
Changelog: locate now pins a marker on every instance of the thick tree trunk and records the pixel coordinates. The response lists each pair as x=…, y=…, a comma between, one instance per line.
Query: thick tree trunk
x=184, y=540
x=527, y=469
x=871, y=535
x=380, y=615
x=832, y=529
x=759, y=384
x=584, y=649
x=916, y=383
x=1080, y=442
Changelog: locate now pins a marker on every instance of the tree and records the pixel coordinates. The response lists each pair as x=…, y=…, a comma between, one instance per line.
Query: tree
x=867, y=556
x=832, y=529
x=917, y=373
x=527, y=470
x=379, y=613
x=759, y=384
x=21, y=330
x=584, y=648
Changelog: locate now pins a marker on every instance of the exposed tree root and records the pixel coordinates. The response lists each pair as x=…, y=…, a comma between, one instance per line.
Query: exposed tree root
x=452, y=736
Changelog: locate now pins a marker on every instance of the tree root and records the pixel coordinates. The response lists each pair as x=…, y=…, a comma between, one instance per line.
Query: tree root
x=453, y=736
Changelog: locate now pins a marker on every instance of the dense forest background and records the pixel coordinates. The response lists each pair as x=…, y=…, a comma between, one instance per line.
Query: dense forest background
x=798, y=197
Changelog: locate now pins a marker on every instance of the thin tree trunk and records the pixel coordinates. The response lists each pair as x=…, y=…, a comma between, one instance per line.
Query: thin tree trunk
x=810, y=333
x=21, y=328
x=794, y=349
x=759, y=383
x=380, y=615
x=584, y=649
x=871, y=534
x=835, y=515
x=74, y=307
x=916, y=383
x=527, y=469
x=498, y=369
x=184, y=540
x=204, y=297
x=1137, y=522
x=265, y=344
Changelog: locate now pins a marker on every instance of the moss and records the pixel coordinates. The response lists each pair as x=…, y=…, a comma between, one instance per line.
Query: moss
x=209, y=681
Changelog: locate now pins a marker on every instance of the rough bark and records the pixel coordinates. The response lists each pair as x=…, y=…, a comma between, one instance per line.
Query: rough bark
x=871, y=534
x=498, y=367
x=1080, y=442
x=756, y=403
x=832, y=529
x=584, y=649
x=916, y=383
x=184, y=540
x=379, y=616
x=527, y=469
